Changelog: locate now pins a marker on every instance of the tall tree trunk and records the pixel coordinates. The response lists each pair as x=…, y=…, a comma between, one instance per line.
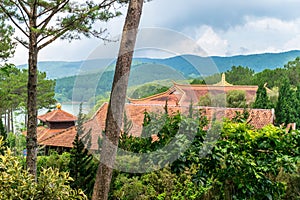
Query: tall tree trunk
x=26, y=119
x=12, y=120
x=117, y=101
x=31, y=139
x=5, y=121
x=8, y=121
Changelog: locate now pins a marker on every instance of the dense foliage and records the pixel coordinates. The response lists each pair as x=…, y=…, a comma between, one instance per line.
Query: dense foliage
x=83, y=87
x=240, y=75
x=262, y=99
x=147, y=90
x=7, y=46
x=239, y=163
x=287, y=108
x=17, y=183
x=82, y=164
x=13, y=92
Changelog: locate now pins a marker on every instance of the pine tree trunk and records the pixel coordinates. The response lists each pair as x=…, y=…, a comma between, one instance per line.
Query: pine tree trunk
x=12, y=120
x=117, y=101
x=26, y=119
x=5, y=121
x=31, y=139
x=8, y=121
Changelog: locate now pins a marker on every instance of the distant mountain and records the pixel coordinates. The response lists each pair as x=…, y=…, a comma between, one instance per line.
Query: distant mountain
x=191, y=64
x=60, y=69
x=187, y=65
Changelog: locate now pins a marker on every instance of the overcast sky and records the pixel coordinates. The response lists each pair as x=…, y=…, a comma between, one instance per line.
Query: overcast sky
x=219, y=27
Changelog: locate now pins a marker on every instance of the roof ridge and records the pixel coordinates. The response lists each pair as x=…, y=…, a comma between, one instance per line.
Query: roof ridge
x=52, y=114
x=215, y=85
x=152, y=96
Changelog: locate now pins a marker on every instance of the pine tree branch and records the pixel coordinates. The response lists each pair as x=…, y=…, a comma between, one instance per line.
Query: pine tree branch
x=55, y=10
x=52, y=39
x=103, y=5
x=13, y=21
x=51, y=9
x=24, y=7
x=22, y=42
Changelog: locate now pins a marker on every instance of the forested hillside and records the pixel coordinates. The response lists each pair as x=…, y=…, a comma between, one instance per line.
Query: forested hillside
x=85, y=87
x=188, y=65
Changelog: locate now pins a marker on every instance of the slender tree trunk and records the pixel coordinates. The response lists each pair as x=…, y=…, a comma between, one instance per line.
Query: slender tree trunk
x=31, y=139
x=26, y=119
x=117, y=101
x=5, y=121
x=8, y=121
x=12, y=120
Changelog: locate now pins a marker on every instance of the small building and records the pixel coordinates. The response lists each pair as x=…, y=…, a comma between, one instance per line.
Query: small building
x=54, y=123
x=58, y=119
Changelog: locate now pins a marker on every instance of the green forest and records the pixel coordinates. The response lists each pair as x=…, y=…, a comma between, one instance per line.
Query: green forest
x=241, y=162
x=178, y=156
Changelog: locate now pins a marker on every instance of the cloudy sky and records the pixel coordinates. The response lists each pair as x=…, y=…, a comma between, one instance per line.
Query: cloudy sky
x=219, y=27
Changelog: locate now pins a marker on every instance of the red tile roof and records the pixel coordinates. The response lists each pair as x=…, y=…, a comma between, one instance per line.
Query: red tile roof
x=135, y=112
x=183, y=94
x=64, y=138
x=179, y=97
x=173, y=98
x=57, y=115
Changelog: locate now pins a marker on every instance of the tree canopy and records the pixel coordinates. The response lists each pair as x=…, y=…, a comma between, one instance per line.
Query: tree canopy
x=43, y=22
x=262, y=100
x=7, y=45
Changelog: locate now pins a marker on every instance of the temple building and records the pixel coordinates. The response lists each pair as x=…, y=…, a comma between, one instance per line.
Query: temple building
x=59, y=130
x=55, y=123
x=258, y=118
x=184, y=94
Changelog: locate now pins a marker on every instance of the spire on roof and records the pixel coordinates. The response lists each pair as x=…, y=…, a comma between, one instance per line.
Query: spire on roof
x=223, y=81
x=58, y=106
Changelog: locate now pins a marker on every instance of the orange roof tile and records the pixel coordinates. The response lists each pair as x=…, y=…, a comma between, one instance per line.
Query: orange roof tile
x=183, y=94
x=135, y=112
x=57, y=115
x=63, y=138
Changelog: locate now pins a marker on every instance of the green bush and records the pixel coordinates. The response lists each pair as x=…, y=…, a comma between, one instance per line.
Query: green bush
x=17, y=183
x=55, y=161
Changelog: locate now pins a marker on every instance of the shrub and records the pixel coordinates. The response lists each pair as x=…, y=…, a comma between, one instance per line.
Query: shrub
x=17, y=183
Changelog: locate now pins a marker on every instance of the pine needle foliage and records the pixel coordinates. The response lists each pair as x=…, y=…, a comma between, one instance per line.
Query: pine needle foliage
x=82, y=165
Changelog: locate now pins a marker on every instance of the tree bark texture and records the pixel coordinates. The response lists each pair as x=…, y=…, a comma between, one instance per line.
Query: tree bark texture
x=117, y=101
x=31, y=139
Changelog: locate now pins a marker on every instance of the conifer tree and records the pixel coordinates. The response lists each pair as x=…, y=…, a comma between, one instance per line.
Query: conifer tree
x=285, y=109
x=82, y=166
x=297, y=105
x=262, y=100
x=7, y=46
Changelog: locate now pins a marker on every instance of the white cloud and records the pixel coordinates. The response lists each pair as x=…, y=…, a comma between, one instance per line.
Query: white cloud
x=263, y=35
x=220, y=28
x=211, y=42
x=257, y=35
